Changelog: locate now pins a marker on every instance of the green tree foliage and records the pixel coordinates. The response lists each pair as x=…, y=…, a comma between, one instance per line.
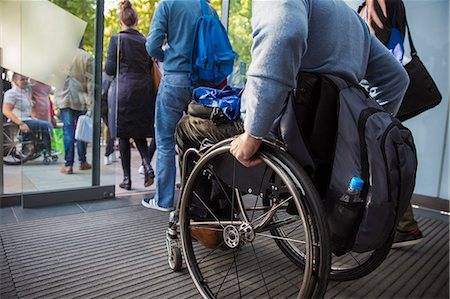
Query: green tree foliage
x=240, y=29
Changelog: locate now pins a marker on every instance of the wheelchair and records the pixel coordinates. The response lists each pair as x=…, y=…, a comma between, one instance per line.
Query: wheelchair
x=271, y=223
x=19, y=148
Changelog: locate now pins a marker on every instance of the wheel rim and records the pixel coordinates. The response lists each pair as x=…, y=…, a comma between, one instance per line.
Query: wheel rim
x=16, y=150
x=250, y=243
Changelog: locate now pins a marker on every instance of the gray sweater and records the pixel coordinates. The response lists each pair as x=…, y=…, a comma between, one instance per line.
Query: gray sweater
x=323, y=36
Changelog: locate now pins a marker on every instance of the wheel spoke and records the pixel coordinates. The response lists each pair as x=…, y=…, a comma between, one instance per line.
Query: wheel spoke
x=271, y=211
x=209, y=210
x=260, y=270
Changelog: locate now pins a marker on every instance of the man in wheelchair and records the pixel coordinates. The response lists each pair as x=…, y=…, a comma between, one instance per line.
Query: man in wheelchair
x=17, y=105
x=324, y=37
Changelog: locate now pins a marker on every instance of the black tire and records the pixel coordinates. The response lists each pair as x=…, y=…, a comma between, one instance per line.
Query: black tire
x=356, y=265
x=175, y=259
x=244, y=250
x=16, y=151
x=46, y=161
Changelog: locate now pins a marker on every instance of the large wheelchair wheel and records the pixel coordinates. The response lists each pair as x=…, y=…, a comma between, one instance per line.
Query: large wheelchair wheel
x=353, y=265
x=234, y=221
x=16, y=148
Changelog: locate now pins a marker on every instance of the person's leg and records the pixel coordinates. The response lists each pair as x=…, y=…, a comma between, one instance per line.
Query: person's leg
x=109, y=144
x=172, y=100
x=408, y=232
x=407, y=223
x=142, y=147
x=152, y=149
x=125, y=158
x=192, y=131
x=68, y=118
x=44, y=128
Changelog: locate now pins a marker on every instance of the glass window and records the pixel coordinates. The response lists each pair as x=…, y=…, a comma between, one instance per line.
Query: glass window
x=239, y=31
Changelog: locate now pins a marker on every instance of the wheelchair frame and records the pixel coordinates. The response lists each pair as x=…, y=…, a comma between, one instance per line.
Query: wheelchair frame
x=17, y=151
x=317, y=262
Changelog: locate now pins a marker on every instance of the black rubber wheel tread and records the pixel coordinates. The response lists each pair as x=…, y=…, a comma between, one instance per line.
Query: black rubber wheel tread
x=373, y=262
x=177, y=260
x=314, y=210
x=13, y=130
x=376, y=259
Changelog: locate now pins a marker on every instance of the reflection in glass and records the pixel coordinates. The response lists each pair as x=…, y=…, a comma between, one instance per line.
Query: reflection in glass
x=40, y=40
x=239, y=31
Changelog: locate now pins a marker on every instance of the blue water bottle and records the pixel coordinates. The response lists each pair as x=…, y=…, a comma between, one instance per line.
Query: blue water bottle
x=344, y=216
x=354, y=190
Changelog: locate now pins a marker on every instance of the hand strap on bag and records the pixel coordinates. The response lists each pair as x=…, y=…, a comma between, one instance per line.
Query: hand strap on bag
x=411, y=44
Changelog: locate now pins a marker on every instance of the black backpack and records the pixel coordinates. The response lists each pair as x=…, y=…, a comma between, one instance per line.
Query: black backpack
x=346, y=133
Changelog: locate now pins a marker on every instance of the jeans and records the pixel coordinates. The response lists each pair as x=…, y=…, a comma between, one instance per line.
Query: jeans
x=172, y=100
x=45, y=128
x=69, y=118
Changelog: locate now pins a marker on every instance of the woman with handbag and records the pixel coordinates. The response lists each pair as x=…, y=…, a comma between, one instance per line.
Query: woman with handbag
x=128, y=60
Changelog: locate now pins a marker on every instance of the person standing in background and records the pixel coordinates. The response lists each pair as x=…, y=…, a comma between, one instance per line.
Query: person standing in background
x=128, y=60
x=174, y=22
x=73, y=100
x=381, y=17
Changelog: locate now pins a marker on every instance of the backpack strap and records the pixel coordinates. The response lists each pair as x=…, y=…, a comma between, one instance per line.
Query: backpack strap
x=411, y=44
x=340, y=83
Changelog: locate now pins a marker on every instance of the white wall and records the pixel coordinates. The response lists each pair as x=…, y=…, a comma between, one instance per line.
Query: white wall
x=429, y=24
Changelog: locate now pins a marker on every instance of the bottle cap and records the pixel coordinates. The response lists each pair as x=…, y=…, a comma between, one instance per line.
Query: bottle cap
x=356, y=183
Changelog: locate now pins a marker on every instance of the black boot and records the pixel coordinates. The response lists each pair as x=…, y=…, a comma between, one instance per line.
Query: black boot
x=126, y=184
x=149, y=175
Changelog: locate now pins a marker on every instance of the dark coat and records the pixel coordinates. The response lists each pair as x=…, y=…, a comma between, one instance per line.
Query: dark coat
x=136, y=100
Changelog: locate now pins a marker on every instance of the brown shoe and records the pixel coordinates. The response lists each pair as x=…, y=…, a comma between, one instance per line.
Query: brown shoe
x=209, y=236
x=66, y=169
x=84, y=166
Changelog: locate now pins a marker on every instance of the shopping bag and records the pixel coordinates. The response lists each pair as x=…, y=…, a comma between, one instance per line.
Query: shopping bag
x=58, y=140
x=83, y=132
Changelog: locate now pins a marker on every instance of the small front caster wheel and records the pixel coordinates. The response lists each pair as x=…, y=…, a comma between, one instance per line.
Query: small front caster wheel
x=46, y=161
x=54, y=158
x=175, y=260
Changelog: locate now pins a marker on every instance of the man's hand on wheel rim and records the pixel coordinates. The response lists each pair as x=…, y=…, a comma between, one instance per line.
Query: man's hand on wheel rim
x=244, y=147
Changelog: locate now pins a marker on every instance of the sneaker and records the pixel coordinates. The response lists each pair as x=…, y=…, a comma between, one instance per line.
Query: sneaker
x=66, y=169
x=406, y=239
x=141, y=169
x=112, y=157
x=84, y=166
x=106, y=160
x=152, y=203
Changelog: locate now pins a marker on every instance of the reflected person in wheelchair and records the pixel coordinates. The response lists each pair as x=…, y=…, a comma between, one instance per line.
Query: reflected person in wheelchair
x=17, y=106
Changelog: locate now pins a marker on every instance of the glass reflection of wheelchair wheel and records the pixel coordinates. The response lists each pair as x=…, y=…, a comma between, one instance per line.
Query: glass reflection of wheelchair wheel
x=16, y=150
x=234, y=221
